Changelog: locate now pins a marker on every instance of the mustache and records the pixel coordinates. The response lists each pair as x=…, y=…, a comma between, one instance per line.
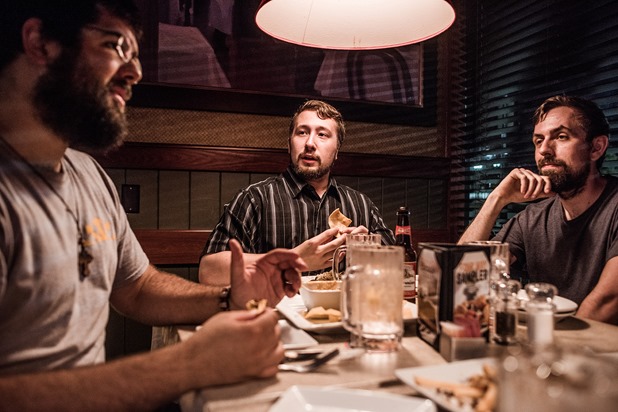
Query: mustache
x=306, y=154
x=552, y=161
x=124, y=85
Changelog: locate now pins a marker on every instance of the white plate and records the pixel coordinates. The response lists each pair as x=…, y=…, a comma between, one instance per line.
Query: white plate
x=563, y=305
x=451, y=372
x=293, y=338
x=316, y=399
x=294, y=310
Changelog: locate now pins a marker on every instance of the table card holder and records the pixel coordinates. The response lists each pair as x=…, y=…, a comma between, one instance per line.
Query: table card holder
x=453, y=288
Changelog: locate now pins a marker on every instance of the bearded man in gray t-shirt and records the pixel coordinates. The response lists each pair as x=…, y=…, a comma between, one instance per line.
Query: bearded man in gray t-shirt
x=569, y=239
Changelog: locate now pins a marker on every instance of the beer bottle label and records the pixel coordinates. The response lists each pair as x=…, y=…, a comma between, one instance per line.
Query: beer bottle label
x=409, y=280
x=403, y=230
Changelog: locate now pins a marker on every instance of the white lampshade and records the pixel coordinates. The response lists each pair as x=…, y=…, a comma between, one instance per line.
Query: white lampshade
x=354, y=24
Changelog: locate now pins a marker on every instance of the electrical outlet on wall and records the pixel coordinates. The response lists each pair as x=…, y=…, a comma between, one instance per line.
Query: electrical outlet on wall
x=130, y=198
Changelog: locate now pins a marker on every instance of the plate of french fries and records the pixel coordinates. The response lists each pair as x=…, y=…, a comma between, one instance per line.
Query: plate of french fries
x=463, y=386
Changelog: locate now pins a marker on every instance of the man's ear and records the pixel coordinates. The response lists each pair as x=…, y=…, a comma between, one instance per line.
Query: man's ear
x=36, y=47
x=599, y=146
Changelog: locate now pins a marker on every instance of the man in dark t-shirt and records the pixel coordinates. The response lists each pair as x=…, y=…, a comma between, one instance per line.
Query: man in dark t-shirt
x=570, y=239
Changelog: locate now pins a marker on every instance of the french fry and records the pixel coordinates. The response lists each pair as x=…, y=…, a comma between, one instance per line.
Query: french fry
x=440, y=385
x=490, y=371
x=487, y=403
x=480, y=391
x=257, y=305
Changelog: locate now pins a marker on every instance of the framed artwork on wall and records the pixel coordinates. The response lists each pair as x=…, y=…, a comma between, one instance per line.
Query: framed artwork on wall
x=210, y=55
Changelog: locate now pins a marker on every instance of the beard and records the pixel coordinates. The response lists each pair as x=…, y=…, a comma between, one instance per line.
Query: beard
x=73, y=103
x=312, y=173
x=567, y=183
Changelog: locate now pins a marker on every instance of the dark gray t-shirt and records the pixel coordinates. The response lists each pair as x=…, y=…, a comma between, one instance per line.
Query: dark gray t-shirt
x=50, y=316
x=568, y=254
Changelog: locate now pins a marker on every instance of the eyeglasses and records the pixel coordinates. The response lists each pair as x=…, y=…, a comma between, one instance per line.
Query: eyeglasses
x=121, y=46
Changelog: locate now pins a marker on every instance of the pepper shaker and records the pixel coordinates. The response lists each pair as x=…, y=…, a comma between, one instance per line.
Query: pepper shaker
x=506, y=305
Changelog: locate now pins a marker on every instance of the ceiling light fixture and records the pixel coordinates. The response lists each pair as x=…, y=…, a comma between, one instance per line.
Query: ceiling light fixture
x=354, y=24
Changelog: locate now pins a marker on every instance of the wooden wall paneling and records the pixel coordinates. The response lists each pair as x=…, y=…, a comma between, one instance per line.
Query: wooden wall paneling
x=417, y=192
x=394, y=196
x=205, y=201
x=231, y=184
x=172, y=247
x=194, y=274
x=114, y=335
x=372, y=187
x=256, y=160
x=436, y=204
x=118, y=176
x=148, y=180
x=350, y=181
x=174, y=199
x=258, y=177
x=137, y=336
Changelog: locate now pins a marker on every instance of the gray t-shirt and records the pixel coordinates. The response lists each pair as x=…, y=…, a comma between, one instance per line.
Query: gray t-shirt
x=569, y=254
x=50, y=316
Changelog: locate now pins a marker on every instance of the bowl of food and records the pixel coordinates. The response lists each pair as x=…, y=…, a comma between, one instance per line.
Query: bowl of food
x=325, y=293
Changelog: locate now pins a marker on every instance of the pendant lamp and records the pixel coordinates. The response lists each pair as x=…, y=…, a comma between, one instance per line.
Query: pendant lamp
x=354, y=24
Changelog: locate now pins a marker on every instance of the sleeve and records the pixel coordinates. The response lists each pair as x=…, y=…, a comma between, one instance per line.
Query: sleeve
x=612, y=241
x=378, y=226
x=238, y=221
x=132, y=260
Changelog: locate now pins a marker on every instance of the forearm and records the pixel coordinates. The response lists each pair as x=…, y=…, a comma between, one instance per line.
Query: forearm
x=600, y=308
x=215, y=268
x=481, y=226
x=601, y=311
x=162, y=299
x=602, y=302
x=137, y=383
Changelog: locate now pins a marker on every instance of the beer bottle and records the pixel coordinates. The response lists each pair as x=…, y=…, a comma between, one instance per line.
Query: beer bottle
x=403, y=237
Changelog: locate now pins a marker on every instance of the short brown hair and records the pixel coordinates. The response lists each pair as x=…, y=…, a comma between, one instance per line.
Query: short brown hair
x=324, y=111
x=590, y=116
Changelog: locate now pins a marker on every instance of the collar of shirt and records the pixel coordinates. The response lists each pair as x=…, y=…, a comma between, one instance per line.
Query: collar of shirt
x=297, y=184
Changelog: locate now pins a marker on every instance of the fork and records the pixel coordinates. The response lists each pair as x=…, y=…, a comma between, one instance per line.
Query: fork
x=311, y=366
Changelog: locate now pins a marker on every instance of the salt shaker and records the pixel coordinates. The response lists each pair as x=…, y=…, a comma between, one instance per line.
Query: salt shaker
x=540, y=313
x=505, y=307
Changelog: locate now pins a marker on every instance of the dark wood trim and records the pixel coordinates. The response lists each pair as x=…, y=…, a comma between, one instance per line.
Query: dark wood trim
x=184, y=247
x=256, y=160
x=172, y=247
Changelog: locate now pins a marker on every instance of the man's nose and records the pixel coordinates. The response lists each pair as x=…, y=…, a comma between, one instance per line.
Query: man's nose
x=310, y=142
x=132, y=71
x=546, y=147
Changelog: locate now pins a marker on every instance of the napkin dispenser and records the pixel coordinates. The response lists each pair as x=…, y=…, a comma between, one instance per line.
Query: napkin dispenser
x=453, y=288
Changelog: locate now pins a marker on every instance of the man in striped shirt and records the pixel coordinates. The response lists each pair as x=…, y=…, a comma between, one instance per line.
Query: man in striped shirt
x=291, y=210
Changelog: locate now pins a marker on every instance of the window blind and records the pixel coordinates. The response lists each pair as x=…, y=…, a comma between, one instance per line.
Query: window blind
x=518, y=53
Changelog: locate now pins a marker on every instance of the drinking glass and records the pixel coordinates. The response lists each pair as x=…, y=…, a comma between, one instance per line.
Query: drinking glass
x=557, y=380
x=372, y=297
x=347, y=250
x=499, y=256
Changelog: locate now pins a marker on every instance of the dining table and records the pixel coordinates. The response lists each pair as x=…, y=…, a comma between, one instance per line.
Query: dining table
x=357, y=369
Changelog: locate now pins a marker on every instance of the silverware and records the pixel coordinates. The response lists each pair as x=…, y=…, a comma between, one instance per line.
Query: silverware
x=301, y=355
x=311, y=366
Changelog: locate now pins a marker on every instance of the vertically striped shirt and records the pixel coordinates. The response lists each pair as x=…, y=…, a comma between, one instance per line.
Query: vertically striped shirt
x=285, y=211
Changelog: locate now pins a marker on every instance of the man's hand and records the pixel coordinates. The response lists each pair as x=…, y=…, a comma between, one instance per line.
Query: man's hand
x=271, y=277
x=235, y=346
x=522, y=185
x=317, y=252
